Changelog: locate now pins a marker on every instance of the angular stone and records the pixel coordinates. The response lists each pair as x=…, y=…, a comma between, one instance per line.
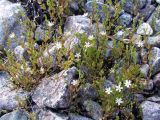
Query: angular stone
x=150, y=110
x=132, y=6
x=11, y=22
x=88, y=92
x=89, y=7
x=93, y=109
x=147, y=12
x=77, y=117
x=145, y=70
x=125, y=19
x=154, y=41
x=9, y=96
x=156, y=80
x=19, y=114
x=49, y=115
x=53, y=92
x=144, y=29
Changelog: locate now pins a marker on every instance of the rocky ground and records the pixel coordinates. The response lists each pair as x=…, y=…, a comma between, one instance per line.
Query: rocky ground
x=51, y=98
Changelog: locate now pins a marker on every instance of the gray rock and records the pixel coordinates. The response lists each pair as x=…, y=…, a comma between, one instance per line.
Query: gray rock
x=131, y=7
x=149, y=86
x=41, y=34
x=93, y=109
x=145, y=70
x=78, y=23
x=16, y=115
x=88, y=92
x=53, y=92
x=20, y=53
x=144, y=29
x=156, y=66
x=155, y=54
x=99, y=5
x=11, y=24
x=74, y=5
x=150, y=110
x=158, y=1
x=154, y=20
x=9, y=96
x=77, y=117
x=139, y=97
x=156, y=80
x=108, y=49
x=155, y=99
x=125, y=19
x=154, y=41
x=48, y=115
x=75, y=24
x=147, y=12
x=102, y=1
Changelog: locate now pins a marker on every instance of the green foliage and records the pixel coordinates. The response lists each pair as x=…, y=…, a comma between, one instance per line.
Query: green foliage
x=91, y=61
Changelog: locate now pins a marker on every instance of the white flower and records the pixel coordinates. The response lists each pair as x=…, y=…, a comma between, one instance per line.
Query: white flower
x=28, y=69
x=91, y=37
x=58, y=45
x=108, y=91
x=103, y=33
x=68, y=33
x=140, y=44
x=74, y=82
x=112, y=70
x=22, y=68
x=42, y=70
x=81, y=31
x=87, y=44
x=85, y=14
x=12, y=35
x=65, y=73
x=78, y=55
x=119, y=101
x=119, y=88
x=127, y=83
x=50, y=24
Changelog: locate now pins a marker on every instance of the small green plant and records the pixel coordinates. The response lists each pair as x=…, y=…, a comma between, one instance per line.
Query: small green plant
x=88, y=56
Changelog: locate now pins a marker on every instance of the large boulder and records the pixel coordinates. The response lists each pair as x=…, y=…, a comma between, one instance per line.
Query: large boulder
x=54, y=92
x=73, y=25
x=10, y=96
x=19, y=114
x=150, y=110
x=12, y=16
x=49, y=115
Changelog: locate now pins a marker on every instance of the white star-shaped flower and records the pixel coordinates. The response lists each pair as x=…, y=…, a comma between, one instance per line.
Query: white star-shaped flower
x=58, y=45
x=85, y=14
x=12, y=35
x=50, y=24
x=81, y=31
x=68, y=33
x=90, y=37
x=140, y=43
x=119, y=101
x=87, y=44
x=108, y=91
x=28, y=69
x=119, y=88
x=128, y=83
x=78, y=55
x=74, y=82
x=112, y=70
x=103, y=33
x=42, y=70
